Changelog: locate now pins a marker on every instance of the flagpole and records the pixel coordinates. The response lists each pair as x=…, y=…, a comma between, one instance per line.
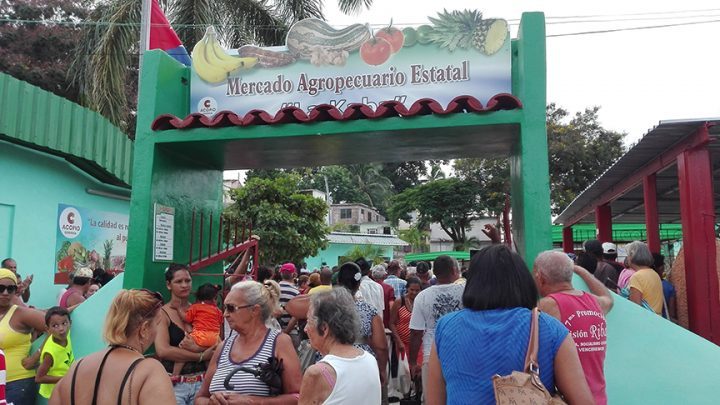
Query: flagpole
x=144, y=33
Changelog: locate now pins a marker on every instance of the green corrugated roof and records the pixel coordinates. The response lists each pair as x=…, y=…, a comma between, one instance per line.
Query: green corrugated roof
x=412, y=257
x=620, y=232
x=35, y=118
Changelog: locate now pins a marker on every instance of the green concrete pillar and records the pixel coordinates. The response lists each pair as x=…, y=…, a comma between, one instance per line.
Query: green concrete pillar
x=529, y=159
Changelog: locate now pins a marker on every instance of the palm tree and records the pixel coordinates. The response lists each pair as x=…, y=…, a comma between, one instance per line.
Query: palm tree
x=417, y=238
x=371, y=183
x=107, y=57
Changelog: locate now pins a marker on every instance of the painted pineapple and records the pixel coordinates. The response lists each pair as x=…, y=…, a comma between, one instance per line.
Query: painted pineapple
x=467, y=29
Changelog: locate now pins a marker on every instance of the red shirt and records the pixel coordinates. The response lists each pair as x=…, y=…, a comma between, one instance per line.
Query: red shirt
x=585, y=320
x=388, y=297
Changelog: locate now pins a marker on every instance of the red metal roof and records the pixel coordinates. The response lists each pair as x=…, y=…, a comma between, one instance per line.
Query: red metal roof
x=327, y=112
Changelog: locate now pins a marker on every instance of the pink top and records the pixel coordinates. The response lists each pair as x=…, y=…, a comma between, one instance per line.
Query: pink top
x=585, y=320
x=624, y=278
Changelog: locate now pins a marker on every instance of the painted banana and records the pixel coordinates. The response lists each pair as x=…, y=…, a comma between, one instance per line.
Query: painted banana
x=212, y=63
x=203, y=67
x=218, y=57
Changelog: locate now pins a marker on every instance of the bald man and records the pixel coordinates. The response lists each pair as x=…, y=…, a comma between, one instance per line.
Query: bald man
x=582, y=313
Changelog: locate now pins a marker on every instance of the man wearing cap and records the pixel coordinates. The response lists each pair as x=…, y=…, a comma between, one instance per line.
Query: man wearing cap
x=604, y=272
x=582, y=313
x=371, y=291
x=610, y=256
x=79, y=286
x=287, y=292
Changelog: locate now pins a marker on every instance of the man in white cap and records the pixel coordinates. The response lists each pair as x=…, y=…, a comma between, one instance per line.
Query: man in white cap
x=79, y=285
x=610, y=256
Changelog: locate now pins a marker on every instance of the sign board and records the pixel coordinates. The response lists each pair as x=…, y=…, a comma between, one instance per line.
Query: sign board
x=89, y=238
x=163, y=233
x=320, y=64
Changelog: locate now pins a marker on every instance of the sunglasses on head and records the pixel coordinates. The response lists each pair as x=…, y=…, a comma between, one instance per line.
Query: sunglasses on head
x=11, y=289
x=230, y=308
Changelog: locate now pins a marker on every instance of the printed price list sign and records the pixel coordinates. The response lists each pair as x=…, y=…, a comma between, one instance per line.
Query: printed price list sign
x=164, y=227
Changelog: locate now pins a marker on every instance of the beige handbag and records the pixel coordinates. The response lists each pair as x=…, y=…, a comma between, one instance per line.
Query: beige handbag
x=525, y=387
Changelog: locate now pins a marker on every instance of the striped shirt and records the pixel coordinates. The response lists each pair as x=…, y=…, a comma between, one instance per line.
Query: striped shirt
x=287, y=292
x=243, y=382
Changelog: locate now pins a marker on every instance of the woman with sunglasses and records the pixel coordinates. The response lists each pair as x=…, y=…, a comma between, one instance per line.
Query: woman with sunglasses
x=120, y=374
x=170, y=343
x=251, y=346
x=16, y=326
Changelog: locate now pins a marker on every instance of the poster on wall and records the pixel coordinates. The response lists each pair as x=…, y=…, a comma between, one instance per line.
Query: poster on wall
x=460, y=53
x=89, y=238
x=163, y=233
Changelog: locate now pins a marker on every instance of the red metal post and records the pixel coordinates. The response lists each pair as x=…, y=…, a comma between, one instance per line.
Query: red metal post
x=200, y=243
x=568, y=244
x=210, y=235
x=603, y=222
x=651, y=212
x=698, y=220
x=192, y=235
x=220, y=234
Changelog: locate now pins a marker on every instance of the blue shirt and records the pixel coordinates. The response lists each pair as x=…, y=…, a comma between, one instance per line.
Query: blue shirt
x=475, y=345
x=397, y=284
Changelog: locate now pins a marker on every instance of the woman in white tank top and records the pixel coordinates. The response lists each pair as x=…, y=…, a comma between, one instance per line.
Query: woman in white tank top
x=346, y=375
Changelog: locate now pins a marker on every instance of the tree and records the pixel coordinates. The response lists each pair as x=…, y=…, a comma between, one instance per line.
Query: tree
x=38, y=41
x=417, y=238
x=579, y=150
x=373, y=254
x=452, y=202
x=371, y=184
x=107, y=56
x=404, y=175
x=291, y=226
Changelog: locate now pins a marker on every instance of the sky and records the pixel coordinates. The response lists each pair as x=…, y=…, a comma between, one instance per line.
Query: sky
x=637, y=77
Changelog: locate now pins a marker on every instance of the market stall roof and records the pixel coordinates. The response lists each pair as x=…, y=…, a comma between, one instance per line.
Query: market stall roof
x=365, y=239
x=413, y=257
x=655, y=152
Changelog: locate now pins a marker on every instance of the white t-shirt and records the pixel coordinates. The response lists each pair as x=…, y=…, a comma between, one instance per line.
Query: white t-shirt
x=429, y=306
x=372, y=293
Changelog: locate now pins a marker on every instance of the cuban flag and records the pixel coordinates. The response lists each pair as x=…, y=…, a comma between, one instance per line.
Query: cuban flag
x=162, y=36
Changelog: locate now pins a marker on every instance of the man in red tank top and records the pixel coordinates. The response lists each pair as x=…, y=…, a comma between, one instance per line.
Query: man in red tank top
x=582, y=313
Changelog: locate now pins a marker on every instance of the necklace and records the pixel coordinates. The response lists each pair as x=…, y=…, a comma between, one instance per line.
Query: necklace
x=128, y=347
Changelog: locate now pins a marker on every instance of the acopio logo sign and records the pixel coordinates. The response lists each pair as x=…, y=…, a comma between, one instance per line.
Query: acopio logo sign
x=70, y=222
x=207, y=106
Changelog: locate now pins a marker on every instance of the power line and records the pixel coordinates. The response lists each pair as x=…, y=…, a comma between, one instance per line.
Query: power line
x=648, y=27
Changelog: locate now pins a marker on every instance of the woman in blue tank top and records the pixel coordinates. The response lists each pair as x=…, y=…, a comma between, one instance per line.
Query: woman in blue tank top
x=490, y=336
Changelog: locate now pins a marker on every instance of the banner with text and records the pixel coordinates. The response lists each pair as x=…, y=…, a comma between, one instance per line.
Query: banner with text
x=460, y=54
x=89, y=238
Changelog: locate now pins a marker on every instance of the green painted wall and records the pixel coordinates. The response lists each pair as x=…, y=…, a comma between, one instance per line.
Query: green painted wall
x=183, y=181
x=333, y=251
x=653, y=361
x=33, y=184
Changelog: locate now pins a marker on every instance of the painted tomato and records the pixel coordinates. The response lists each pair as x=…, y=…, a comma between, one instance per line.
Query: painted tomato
x=393, y=35
x=375, y=51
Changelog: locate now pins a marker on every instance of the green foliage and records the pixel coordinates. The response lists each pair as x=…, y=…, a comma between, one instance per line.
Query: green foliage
x=41, y=54
x=371, y=253
x=291, y=226
x=348, y=228
x=417, y=238
x=580, y=149
x=453, y=203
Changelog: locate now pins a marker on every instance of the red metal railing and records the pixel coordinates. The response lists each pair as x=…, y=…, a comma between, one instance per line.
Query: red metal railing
x=230, y=249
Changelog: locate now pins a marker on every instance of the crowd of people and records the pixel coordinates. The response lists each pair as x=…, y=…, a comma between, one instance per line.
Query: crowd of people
x=358, y=333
